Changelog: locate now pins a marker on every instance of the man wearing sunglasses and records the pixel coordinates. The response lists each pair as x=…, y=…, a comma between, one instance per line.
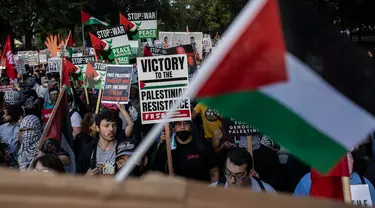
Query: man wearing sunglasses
x=239, y=172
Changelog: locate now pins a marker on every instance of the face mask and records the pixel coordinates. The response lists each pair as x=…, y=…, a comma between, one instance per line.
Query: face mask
x=183, y=135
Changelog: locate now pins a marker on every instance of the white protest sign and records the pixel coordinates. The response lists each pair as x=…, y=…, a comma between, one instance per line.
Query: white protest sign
x=54, y=65
x=145, y=24
x=361, y=195
x=207, y=44
x=42, y=58
x=161, y=81
x=9, y=97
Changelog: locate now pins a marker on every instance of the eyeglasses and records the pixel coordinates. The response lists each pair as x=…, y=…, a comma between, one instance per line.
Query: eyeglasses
x=238, y=176
x=41, y=170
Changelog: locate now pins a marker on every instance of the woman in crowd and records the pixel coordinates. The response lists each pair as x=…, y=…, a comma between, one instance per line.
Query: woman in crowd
x=48, y=163
x=88, y=133
x=10, y=129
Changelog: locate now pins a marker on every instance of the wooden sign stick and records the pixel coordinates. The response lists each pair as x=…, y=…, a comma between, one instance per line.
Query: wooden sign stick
x=169, y=151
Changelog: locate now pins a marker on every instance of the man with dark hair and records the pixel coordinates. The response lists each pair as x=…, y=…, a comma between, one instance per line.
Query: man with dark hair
x=239, y=172
x=193, y=157
x=99, y=156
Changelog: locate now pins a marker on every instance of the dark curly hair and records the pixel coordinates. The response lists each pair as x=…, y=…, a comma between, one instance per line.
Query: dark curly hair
x=15, y=112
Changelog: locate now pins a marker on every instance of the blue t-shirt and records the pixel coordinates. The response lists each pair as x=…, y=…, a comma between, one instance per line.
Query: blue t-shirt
x=304, y=185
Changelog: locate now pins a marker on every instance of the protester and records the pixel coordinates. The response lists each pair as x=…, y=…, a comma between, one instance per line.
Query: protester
x=52, y=146
x=75, y=118
x=30, y=129
x=209, y=119
x=9, y=131
x=48, y=163
x=134, y=98
x=87, y=134
x=192, y=158
x=125, y=150
x=42, y=90
x=239, y=172
x=99, y=156
x=304, y=186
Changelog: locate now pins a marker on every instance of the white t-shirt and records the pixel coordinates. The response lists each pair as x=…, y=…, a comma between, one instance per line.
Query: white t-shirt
x=75, y=120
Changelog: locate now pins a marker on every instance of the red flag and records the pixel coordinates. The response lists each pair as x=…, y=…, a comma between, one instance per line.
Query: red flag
x=330, y=186
x=124, y=21
x=98, y=45
x=84, y=17
x=59, y=123
x=67, y=68
x=9, y=62
x=70, y=42
x=147, y=52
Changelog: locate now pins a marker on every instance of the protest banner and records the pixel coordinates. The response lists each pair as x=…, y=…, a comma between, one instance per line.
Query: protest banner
x=54, y=65
x=173, y=39
x=134, y=45
x=145, y=24
x=81, y=64
x=95, y=74
x=9, y=94
x=20, y=64
x=116, y=40
x=161, y=81
x=43, y=58
x=189, y=51
x=238, y=128
x=117, y=84
x=64, y=190
x=361, y=195
x=157, y=51
x=207, y=44
x=30, y=57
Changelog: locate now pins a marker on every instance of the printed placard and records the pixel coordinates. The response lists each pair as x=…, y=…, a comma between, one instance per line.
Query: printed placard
x=157, y=51
x=162, y=80
x=80, y=62
x=361, y=195
x=43, y=58
x=207, y=44
x=117, y=84
x=9, y=97
x=116, y=39
x=20, y=64
x=145, y=25
x=173, y=39
x=238, y=128
x=95, y=75
x=189, y=51
x=54, y=65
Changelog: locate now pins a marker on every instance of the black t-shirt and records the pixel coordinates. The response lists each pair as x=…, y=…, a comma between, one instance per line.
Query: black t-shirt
x=190, y=160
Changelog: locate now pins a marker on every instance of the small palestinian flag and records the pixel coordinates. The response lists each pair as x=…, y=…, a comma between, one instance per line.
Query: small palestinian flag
x=127, y=24
x=72, y=70
x=98, y=46
x=94, y=78
x=293, y=77
x=70, y=44
x=90, y=20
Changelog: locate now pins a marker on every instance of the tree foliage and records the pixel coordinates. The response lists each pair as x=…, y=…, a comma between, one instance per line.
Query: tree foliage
x=34, y=19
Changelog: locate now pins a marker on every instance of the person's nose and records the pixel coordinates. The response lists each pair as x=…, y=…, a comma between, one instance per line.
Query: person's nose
x=232, y=180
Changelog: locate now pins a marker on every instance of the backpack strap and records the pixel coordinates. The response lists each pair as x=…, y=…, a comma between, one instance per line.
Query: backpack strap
x=260, y=184
x=362, y=179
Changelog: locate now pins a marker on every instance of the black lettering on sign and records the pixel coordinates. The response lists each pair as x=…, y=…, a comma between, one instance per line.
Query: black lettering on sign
x=82, y=60
x=138, y=16
x=163, y=64
x=111, y=32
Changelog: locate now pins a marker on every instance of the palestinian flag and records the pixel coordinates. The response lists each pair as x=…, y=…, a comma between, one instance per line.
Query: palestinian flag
x=98, y=45
x=289, y=74
x=70, y=44
x=70, y=72
x=59, y=127
x=90, y=20
x=127, y=24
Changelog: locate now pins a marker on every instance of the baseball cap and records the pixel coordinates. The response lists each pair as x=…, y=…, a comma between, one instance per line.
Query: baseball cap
x=110, y=106
x=126, y=147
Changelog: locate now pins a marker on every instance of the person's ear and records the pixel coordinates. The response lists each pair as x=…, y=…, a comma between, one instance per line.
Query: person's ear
x=252, y=173
x=97, y=128
x=145, y=161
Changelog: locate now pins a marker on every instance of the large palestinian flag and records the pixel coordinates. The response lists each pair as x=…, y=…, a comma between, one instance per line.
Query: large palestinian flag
x=283, y=70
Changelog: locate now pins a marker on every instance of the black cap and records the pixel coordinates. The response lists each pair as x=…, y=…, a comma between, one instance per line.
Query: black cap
x=126, y=147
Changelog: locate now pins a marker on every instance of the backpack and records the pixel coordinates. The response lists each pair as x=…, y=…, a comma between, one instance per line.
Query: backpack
x=223, y=180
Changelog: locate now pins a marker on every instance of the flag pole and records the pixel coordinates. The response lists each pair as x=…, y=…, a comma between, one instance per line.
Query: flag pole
x=245, y=18
x=83, y=40
x=346, y=189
